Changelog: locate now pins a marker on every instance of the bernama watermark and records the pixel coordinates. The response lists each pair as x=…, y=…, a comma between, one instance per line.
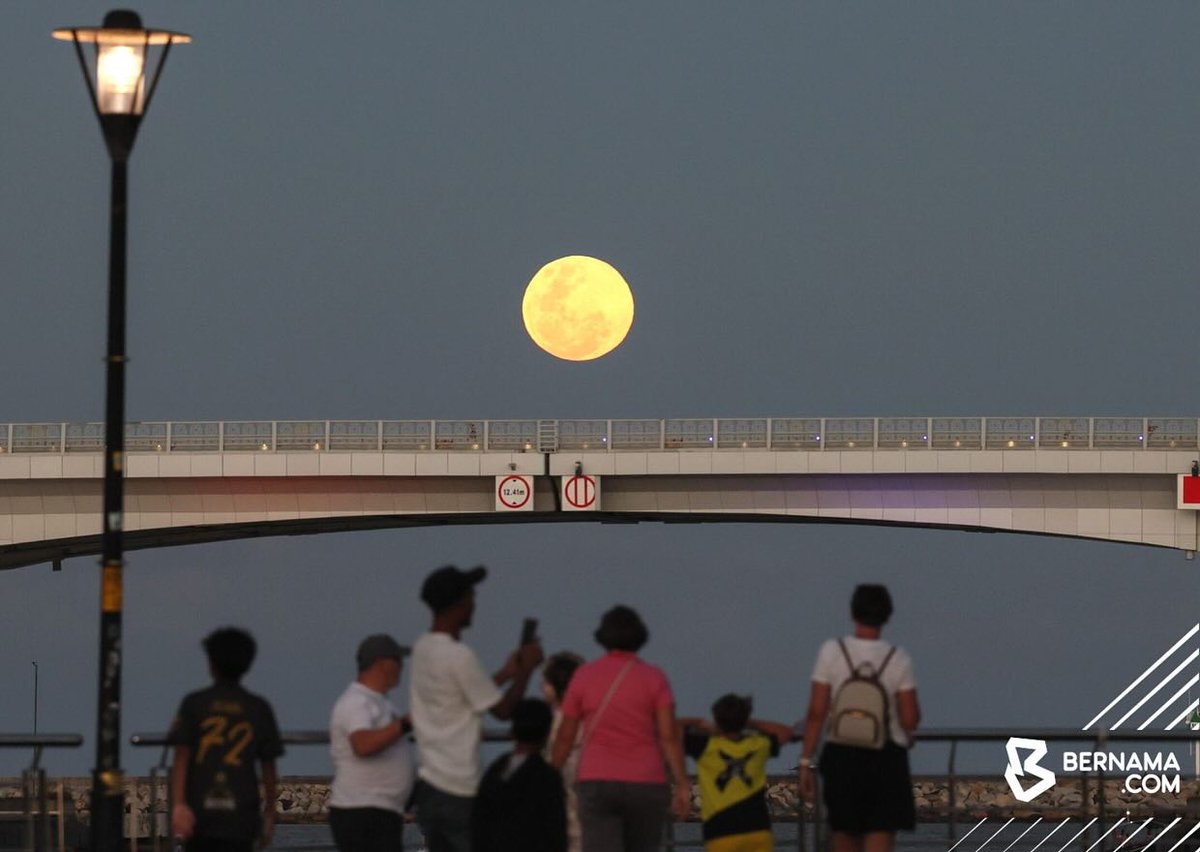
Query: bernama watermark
x=1145, y=772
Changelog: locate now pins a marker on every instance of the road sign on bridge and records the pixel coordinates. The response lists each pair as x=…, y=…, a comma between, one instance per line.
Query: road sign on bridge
x=514, y=493
x=580, y=493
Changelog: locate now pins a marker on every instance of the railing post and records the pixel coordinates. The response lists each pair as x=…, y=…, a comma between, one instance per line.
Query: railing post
x=952, y=797
x=1084, y=808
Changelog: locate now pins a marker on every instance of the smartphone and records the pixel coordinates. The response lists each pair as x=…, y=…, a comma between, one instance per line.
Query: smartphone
x=528, y=630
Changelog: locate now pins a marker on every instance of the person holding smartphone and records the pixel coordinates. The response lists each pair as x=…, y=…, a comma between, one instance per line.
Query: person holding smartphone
x=450, y=692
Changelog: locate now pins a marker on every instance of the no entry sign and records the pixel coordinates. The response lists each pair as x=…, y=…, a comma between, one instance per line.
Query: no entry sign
x=514, y=493
x=1189, y=491
x=580, y=493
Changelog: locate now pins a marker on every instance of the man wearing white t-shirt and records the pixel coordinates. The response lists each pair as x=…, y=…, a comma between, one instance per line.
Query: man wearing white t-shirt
x=449, y=695
x=373, y=765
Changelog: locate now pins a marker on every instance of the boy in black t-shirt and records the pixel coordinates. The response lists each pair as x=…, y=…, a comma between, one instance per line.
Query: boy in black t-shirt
x=731, y=754
x=521, y=805
x=218, y=734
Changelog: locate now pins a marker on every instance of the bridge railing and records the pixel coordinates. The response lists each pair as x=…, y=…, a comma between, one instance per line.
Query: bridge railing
x=813, y=434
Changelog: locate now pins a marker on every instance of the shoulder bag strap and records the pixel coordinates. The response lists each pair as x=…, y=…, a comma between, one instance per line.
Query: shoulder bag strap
x=612, y=688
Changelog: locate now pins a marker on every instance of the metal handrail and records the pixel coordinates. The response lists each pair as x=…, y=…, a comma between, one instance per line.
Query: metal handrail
x=952, y=736
x=811, y=434
x=33, y=788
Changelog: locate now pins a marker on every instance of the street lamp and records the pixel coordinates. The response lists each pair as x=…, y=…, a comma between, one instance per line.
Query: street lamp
x=116, y=82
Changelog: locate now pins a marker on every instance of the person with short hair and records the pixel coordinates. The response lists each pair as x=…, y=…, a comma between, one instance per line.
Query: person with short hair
x=731, y=755
x=626, y=712
x=521, y=805
x=450, y=692
x=219, y=733
x=868, y=792
x=373, y=767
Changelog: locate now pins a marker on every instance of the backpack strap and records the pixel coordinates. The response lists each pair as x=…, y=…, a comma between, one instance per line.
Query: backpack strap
x=886, y=660
x=846, y=654
x=850, y=663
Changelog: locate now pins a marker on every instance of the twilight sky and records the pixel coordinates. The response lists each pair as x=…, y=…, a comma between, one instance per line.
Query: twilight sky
x=823, y=209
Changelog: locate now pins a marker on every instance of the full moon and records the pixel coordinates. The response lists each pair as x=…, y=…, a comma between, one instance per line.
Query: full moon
x=577, y=308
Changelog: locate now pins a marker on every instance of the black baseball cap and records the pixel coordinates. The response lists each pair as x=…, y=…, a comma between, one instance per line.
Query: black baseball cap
x=377, y=646
x=447, y=585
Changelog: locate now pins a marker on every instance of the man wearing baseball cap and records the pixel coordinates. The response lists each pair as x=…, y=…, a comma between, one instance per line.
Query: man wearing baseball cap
x=450, y=693
x=373, y=765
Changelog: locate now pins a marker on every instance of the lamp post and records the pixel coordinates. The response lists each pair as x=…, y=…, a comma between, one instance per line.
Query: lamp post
x=116, y=82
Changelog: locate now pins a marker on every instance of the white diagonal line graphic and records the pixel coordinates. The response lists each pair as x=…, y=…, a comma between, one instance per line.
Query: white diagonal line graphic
x=1194, y=705
x=1162, y=833
x=968, y=834
x=1051, y=834
x=1076, y=837
x=1105, y=834
x=1145, y=674
x=1191, y=658
x=1185, y=837
x=1195, y=679
x=993, y=837
x=1134, y=834
x=1022, y=834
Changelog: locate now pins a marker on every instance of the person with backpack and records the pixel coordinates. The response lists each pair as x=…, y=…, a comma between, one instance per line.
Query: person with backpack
x=864, y=703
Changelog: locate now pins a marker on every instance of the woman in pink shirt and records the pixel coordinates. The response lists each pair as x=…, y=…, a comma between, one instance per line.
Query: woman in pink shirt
x=626, y=712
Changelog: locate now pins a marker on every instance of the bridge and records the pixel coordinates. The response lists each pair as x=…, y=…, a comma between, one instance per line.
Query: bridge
x=1111, y=478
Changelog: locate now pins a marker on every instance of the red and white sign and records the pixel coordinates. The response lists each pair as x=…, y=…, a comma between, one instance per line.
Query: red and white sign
x=514, y=493
x=580, y=493
x=1189, y=491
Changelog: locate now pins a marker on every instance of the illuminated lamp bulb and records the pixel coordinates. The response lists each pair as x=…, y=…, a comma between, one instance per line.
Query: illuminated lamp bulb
x=317, y=446
x=850, y=444
x=119, y=79
x=263, y=446
x=1066, y=443
x=958, y=443
x=474, y=446
x=904, y=444
x=1012, y=443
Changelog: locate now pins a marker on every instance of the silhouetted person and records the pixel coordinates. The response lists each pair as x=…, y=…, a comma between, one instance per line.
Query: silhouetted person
x=450, y=693
x=219, y=734
x=521, y=805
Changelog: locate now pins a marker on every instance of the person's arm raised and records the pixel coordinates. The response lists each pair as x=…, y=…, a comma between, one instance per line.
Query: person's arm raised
x=523, y=664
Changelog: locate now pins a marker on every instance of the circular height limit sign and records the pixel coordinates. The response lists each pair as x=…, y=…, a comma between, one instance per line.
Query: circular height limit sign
x=514, y=493
x=580, y=493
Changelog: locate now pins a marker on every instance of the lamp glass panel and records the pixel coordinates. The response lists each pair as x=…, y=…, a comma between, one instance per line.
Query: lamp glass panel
x=120, y=79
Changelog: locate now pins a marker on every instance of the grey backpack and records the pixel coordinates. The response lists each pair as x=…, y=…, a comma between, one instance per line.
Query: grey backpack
x=858, y=715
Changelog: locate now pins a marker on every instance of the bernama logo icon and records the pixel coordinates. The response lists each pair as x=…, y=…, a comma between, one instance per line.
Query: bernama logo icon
x=1146, y=772
x=1017, y=768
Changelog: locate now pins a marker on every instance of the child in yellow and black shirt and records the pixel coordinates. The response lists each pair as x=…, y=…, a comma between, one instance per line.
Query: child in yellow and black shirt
x=731, y=758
